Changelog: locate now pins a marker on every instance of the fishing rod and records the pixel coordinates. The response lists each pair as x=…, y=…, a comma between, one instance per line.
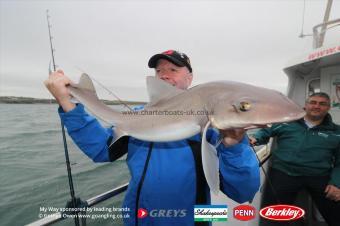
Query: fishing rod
x=270, y=184
x=68, y=166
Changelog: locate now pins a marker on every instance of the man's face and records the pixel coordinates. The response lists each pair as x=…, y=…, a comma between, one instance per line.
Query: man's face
x=173, y=74
x=317, y=107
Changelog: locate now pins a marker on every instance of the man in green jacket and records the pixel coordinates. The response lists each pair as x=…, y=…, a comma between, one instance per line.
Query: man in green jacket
x=307, y=156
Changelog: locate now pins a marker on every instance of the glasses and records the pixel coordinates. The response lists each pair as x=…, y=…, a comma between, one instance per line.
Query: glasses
x=324, y=104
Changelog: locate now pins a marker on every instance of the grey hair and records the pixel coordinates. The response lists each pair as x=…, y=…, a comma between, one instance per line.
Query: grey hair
x=320, y=94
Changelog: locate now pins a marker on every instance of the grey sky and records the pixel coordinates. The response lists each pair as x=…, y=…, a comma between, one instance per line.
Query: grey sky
x=248, y=41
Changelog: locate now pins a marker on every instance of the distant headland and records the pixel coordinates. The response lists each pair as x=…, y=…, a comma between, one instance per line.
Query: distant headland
x=31, y=100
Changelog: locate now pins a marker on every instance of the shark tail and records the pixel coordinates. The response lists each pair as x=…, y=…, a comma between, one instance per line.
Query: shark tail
x=85, y=93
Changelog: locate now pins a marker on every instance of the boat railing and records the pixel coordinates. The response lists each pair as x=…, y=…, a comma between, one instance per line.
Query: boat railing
x=263, y=153
x=320, y=30
x=59, y=216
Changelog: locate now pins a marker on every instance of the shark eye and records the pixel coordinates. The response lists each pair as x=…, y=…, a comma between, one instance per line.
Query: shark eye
x=244, y=106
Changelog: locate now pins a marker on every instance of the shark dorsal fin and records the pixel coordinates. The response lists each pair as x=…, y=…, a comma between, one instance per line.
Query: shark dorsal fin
x=160, y=90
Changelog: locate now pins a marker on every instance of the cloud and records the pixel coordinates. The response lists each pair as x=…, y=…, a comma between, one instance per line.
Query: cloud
x=247, y=41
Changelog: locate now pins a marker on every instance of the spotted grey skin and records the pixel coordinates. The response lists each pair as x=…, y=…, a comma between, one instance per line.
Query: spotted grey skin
x=173, y=114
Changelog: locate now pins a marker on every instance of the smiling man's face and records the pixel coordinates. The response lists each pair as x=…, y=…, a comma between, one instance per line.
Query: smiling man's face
x=317, y=107
x=173, y=74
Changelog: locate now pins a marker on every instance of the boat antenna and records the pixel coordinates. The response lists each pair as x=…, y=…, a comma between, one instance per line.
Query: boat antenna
x=68, y=166
x=324, y=26
x=302, y=35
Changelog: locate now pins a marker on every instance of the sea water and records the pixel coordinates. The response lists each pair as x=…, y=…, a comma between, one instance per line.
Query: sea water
x=33, y=173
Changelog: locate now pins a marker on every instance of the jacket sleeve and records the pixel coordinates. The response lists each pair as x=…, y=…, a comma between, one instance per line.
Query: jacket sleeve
x=89, y=135
x=239, y=170
x=262, y=136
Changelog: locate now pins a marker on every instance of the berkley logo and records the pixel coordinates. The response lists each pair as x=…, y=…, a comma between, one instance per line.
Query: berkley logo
x=282, y=212
x=244, y=212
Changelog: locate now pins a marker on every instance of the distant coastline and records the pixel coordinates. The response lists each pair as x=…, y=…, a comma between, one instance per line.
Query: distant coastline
x=31, y=100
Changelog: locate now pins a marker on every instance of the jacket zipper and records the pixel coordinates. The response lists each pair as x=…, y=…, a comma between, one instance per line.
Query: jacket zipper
x=140, y=184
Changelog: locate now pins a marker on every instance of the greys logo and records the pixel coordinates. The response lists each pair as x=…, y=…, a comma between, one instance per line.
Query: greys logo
x=167, y=213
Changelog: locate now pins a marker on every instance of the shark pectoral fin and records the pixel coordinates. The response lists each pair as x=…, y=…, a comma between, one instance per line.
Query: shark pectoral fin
x=210, y=163
x=160, y=90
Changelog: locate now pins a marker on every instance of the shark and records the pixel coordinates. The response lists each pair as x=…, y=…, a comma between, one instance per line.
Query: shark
x=175, y=114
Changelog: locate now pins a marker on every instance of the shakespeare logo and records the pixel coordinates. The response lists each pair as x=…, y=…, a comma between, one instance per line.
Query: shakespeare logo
x=211, y=213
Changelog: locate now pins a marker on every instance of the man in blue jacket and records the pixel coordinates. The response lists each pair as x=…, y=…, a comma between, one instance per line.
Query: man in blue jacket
x=167, y=178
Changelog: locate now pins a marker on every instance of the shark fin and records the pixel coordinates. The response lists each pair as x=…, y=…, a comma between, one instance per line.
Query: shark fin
x=160, y=90
x=85, y=93
x=85, y=82
x=210, y=163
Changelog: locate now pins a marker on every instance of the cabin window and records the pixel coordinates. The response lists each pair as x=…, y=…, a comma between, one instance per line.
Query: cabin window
x=335, y=91
x=313, y=86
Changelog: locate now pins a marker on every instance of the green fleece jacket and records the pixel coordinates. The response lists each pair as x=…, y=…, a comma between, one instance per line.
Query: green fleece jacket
x=303, y=151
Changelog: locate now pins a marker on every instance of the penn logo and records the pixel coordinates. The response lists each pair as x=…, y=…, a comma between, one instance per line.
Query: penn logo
x=142, y=213
x=244, y=212
x=282, y=212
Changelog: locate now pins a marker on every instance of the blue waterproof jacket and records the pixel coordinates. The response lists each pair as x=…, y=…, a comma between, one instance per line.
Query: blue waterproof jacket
x=167, y=179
